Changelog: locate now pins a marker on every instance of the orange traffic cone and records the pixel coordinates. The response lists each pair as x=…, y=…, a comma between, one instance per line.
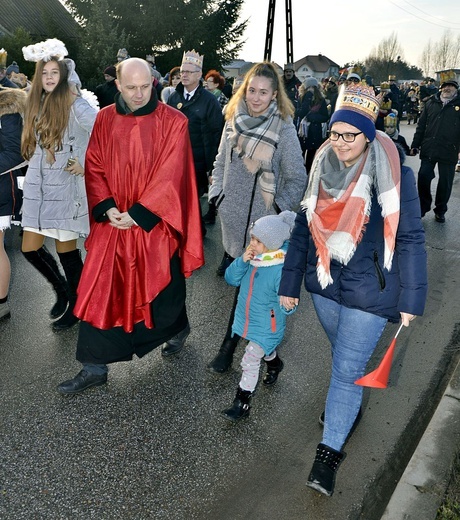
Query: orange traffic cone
x=378, y=378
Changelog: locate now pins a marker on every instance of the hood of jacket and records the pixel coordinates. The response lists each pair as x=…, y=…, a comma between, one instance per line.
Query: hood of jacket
x=12, y=101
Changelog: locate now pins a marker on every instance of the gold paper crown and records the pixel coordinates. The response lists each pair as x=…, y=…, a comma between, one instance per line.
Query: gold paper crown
x=447, y=75
x=3, y=55
x=384, y=85
x=358, y=98
x=193, y=58
x=390, y=120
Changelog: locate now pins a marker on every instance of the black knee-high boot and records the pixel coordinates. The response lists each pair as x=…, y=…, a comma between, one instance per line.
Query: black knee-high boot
x=73, y=265
x=45, y=263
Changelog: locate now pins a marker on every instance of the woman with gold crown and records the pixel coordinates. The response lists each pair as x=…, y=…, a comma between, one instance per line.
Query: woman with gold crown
x=359, y=245
x=57, y=126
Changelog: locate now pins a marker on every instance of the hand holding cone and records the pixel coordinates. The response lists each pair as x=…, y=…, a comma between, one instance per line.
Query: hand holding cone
x=379, y=377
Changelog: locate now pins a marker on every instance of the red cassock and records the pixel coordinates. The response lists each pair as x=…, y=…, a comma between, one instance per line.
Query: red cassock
x=146, y=160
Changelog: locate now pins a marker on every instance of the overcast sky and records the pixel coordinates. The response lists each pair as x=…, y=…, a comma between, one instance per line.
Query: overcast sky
x=347, y=31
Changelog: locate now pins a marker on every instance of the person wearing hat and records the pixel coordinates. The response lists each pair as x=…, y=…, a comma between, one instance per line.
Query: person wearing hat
x=4, y=80
x=291, y=83
x=396, y=95
x=358, y=245
x=437, y=137
x=105, y=92
x=331, y=92
x=390, y=123
x=312, y=115
x=57, y=126
x=205, y=120
x=353, y=78
x=258, y=171
x=259, y=318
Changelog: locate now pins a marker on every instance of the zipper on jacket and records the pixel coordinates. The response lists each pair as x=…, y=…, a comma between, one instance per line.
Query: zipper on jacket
x=273, y=320
x=248, y=302
x=13, y=187
x=379, y=271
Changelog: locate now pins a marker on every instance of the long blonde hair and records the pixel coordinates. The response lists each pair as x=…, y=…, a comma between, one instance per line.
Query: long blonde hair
x=265, y=69
x=46, y=115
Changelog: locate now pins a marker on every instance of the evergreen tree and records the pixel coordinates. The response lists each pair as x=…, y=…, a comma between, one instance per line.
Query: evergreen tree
x=165, y=28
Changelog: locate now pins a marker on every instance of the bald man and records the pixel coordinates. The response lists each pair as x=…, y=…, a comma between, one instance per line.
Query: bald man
x=145, y=236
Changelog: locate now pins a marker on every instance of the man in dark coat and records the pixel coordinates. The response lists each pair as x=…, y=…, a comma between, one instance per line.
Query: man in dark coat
x=204, y=113
x=105, y=92
x=438, y=138
x=291, y=83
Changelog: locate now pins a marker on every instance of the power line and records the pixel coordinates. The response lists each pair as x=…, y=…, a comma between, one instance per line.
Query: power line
x=430, y=15
x=423, y=19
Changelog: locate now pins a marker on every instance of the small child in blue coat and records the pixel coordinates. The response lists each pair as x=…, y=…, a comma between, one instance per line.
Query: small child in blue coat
x=259, y=317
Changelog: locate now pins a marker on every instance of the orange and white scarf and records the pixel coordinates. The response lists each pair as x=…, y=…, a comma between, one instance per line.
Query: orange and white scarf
x=338, y=202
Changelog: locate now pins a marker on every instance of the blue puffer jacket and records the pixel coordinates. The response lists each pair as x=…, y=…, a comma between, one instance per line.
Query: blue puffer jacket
x=363, y=283
x=258, y=316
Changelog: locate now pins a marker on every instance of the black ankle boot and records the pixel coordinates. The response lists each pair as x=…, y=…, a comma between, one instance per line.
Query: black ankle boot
x=274, y=367
x=322, y=474
x=45, y=264
x=210, y=217
x=226, y=261
x=240, y=408
x=223, y=360
x=73, y=265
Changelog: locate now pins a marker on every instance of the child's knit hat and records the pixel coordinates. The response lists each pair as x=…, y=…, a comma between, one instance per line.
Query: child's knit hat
x=274, y=230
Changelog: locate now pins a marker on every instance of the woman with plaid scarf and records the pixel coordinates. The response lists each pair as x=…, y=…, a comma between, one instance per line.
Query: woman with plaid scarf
x=258, y=170
x=359, y=245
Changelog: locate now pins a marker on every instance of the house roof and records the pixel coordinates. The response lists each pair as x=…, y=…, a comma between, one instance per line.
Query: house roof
x=37, y=17
x=317, y=63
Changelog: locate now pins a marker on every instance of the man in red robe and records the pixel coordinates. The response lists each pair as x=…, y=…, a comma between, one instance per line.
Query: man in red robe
x=145, y=235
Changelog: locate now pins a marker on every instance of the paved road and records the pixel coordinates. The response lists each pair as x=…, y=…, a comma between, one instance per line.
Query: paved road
x=152, y=444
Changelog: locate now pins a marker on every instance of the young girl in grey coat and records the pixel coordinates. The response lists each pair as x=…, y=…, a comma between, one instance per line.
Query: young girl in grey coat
x=57, y=127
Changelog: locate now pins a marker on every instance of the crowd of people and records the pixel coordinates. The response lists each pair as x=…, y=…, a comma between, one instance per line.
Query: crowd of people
x=307, y=179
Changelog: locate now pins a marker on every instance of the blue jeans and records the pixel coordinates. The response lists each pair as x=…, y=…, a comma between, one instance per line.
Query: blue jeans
x=353, y=334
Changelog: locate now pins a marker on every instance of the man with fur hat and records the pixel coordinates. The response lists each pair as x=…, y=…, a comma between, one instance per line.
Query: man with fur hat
x=437, y=137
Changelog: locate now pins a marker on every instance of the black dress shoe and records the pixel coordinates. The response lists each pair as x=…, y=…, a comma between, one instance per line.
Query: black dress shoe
x=439, y=218
x=176, y=343
x=82, y=381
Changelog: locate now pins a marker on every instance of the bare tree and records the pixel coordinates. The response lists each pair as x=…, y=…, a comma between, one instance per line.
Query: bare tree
x=442, y=55
x=426, y=59
x=388, y=49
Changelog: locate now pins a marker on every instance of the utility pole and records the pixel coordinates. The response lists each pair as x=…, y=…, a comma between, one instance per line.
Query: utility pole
x=269, y=33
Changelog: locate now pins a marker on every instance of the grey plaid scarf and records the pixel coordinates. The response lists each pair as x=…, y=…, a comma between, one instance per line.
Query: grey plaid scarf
x=255, y=139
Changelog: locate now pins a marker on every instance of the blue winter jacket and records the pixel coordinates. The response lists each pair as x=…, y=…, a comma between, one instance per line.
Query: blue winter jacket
x=364, y=283
x=258, y=315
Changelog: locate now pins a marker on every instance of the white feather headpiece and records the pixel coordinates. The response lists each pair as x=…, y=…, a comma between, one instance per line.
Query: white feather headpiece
x=51, y=48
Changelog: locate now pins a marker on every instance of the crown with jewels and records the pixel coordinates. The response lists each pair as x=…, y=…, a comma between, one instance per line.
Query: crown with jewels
x=358, y=98
x=193, y=58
